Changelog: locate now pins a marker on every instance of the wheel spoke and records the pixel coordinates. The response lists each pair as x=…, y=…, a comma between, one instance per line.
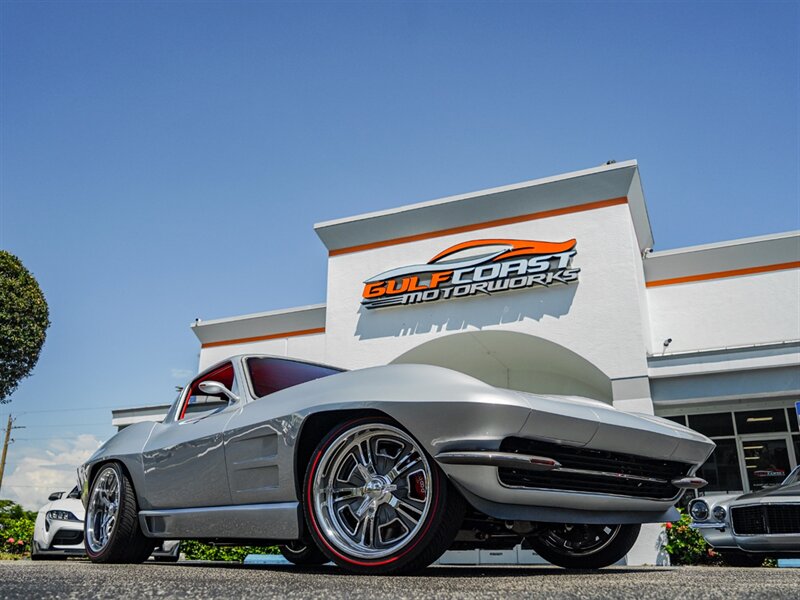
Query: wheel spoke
x=342, y=494
x=406, y=462
x=363, y=507
x=351, y=485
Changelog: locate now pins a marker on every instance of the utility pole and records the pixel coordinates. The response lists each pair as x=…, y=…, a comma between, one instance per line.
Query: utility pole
x=5, y=447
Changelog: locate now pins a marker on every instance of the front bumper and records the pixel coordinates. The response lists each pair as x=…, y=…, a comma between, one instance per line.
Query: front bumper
x=590, y=463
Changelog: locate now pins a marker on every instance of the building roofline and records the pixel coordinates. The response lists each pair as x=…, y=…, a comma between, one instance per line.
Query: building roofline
x=547, y=197
x=475, y=194
x=258, y=315
x=725, y=243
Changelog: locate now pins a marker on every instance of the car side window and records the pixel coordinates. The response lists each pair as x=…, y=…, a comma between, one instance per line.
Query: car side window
x=269, y=375
x=197, y=404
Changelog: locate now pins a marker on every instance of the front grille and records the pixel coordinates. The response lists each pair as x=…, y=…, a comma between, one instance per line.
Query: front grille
x=593, y=460
x=766, y=519
x=67, y=537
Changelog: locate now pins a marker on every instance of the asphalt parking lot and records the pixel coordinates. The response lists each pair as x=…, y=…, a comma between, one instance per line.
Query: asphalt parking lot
x=81, y=579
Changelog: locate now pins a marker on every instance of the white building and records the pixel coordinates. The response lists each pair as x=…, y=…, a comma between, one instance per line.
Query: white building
x=707, y=333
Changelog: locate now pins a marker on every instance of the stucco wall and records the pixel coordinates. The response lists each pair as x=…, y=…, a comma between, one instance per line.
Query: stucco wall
x=734, y=311
x=600, y=318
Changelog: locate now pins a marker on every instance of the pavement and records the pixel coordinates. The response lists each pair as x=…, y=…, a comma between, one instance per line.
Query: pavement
x=82, y=579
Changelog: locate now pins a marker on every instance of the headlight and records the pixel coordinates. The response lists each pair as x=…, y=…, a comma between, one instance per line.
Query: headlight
x=699, y=510
x=58, y=515
x=61, y=515
x=719, y=513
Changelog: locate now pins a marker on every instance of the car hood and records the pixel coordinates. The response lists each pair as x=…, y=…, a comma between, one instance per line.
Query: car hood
x=777, y=491
x=595, y=424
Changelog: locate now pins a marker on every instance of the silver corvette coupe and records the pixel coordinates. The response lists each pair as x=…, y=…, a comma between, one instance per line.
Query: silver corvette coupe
x=381, y=470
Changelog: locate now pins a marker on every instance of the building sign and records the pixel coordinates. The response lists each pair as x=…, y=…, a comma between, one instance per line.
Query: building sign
x=471, y=268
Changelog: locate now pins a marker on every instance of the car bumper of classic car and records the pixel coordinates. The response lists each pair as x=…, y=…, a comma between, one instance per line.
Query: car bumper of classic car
x=762, y=527
x=618, y=468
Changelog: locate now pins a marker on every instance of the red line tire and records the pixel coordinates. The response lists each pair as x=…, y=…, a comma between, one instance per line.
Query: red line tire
x=441, y=507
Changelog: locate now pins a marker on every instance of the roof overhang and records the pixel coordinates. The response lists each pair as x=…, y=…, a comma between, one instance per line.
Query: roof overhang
x=302, y=320
x=547, y=196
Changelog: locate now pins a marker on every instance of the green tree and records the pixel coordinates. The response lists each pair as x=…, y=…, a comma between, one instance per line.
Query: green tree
x=24, y=319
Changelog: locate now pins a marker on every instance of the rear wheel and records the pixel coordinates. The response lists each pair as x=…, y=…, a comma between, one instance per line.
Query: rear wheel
x=302, y=553
x=111, y=530
x=585, y=546
x=375, y=501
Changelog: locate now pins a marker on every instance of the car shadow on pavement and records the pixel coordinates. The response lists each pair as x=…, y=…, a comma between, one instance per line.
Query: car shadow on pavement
x=470, y=571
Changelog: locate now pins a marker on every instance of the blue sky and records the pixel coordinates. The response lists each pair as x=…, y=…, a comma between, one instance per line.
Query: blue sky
x=150, y=148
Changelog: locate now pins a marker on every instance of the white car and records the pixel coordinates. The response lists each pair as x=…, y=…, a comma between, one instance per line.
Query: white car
x=58, y=532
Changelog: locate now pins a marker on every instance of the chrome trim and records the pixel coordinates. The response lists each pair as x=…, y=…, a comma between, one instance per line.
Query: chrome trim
x=714, y=525
x=514, y=460
x=530, y=462
x=689, y=483
x=610, y=475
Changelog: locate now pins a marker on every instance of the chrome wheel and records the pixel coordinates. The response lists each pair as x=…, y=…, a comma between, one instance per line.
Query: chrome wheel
x=580, y=540
x=103, y=509
x=371, y=491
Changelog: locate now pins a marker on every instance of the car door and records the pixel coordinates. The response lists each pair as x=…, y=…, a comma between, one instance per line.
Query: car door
x=260, y=438
x=184, y=459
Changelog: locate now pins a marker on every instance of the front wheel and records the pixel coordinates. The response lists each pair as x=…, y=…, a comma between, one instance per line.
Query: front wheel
x=111, y=530
x=585, y=546
x=303, y=554
x=376, y=503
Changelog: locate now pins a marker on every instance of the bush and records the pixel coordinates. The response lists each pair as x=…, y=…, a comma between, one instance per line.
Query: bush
x=16, y=528
x=686, y=546
x=193, y=550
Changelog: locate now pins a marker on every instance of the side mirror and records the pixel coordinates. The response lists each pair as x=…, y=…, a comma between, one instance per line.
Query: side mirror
x=55, y=496
x=215, y=388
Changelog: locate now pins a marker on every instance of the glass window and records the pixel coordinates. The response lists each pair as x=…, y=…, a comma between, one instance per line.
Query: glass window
x=721, y=470
x=680, y=419
x=270, y=375
x=760, y=421
x=766, y=461
x=712, y=425
x=198, y=404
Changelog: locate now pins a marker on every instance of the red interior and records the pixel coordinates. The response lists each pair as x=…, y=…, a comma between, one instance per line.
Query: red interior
x=223, y=375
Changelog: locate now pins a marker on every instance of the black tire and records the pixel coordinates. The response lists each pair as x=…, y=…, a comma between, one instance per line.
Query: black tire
x=303, y=554
x=437, y=528
x=742, y=559
x=126, y=542
x=618, y=541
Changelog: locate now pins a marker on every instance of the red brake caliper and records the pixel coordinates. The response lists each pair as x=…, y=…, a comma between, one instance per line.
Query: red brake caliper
x=418, y=490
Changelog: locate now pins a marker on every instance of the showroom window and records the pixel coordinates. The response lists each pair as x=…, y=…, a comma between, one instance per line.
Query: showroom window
x=755, y=448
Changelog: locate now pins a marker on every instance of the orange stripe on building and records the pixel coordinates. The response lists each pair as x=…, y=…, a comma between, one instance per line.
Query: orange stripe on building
x=260, y=338
x=723, y=274
x=486, y=224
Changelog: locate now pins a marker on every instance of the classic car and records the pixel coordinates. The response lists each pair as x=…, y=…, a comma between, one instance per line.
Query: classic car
x=383, y=469
x=746, y=529
x=58, y=531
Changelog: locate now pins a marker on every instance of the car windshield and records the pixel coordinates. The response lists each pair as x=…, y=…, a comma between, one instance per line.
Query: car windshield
x=793, y=477
x=269, y=375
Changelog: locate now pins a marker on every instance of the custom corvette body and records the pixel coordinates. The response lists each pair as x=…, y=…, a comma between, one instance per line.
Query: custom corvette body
x=385, y=468
x=748, y=528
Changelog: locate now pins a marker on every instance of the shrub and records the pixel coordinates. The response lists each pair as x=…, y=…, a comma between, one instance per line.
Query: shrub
x=16, y=528
x=194, y=550
x=686, y=546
